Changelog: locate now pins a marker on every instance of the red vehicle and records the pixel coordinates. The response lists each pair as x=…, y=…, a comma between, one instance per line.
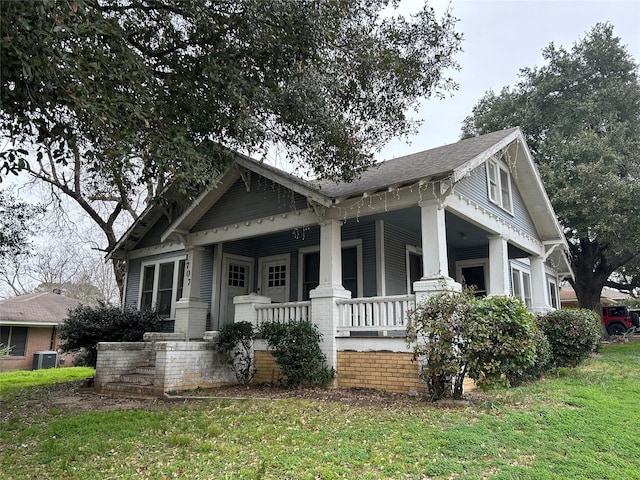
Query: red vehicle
x=618, y=320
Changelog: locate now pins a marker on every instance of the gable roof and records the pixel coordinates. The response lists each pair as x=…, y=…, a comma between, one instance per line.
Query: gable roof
x=439, y=162
x=36, y=309
x=453, y=161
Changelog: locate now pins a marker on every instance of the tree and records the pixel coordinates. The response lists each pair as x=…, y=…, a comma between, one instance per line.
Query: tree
x=17, y=224
x=580, y=113
x=108, y=96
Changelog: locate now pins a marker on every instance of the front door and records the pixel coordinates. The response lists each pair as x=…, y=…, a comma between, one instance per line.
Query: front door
x=237, y=279
x=274, y=278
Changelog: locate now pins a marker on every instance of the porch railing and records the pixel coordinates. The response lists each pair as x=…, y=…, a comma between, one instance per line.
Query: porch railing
x=283, y=312
x=375, y=313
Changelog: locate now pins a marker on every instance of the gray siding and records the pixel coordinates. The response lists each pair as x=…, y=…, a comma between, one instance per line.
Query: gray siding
x=395, y=243
x=366, y=233
x=475, y=187
x=236, y=205
x=153, y=236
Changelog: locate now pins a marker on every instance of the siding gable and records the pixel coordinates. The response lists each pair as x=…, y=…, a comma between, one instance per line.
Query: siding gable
x=474, y=187
x=264, y=198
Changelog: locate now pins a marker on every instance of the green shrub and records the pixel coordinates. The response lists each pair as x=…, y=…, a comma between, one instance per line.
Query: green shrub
x=437, y=329
x=541, y=365
x=236, y=342
x=492, y=340
x=501, y=340
x=296, y=348
x=573, y=335
x=86, y=326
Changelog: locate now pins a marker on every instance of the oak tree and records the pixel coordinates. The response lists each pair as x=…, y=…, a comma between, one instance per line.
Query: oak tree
x=580, y=113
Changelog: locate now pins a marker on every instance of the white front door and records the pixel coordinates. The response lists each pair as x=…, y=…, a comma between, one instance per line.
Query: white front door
x=274, y=274
x=237, y=279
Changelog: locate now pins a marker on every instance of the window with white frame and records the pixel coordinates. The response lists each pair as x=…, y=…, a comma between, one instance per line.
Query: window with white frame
x=553, y=294
x=521, y=285
x=499, y=184
x=161, y=285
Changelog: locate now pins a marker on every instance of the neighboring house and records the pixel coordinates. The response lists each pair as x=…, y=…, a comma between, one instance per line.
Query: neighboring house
x=608, y=296
x=28, y=324
x=264, y=245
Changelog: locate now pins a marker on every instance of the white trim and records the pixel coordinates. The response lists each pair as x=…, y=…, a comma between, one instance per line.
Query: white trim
x=499, y=168
x=316, y=248
x=286, y=259
x=521, y=272
x=156, y=280
x=226, y=258
x=170, y=247
x=409, y=250
x=216, y=291
x=476, y=262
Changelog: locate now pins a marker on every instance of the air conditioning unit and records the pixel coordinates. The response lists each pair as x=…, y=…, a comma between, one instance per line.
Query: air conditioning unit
x=45, y=359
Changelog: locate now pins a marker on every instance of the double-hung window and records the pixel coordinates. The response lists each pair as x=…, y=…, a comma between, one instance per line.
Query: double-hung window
x=499, y=185
x=161, y=286
x=521, y=285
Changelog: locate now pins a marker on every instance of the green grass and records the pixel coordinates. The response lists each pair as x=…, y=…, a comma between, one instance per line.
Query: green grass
x=580, y=424
x=11, y=382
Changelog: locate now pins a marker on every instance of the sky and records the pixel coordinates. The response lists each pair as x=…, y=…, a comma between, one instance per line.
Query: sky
x=501, y=37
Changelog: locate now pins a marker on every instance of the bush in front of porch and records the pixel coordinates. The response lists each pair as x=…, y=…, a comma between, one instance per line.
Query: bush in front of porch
x=296, y=348
x=492, y=340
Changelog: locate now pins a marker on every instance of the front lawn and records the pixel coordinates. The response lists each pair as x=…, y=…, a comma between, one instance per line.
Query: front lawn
x=581, y=423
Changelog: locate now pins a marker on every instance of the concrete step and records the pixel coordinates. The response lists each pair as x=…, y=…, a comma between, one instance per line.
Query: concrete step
x=121, y=388
x=137, y=378
x=146, y=370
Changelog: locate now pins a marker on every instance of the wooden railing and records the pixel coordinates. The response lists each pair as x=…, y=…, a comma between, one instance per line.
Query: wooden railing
x=283, y=312
x=375, y=313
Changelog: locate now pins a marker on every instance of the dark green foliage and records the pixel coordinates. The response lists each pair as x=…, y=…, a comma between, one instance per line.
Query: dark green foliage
x=491, y=340
x=573, y=335
x=501, y=340
x=541, y=364
x=236, y=342
x=437, y=328
x=157, y=89
x=580, y=114
x=86, y=326
x=296, y=348
x=17, y=222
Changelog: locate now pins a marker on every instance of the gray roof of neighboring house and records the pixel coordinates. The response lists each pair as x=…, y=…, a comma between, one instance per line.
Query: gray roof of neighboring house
x=36, y=308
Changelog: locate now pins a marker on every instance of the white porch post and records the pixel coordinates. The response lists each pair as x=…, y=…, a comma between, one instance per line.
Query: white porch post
x=539, y=303
x=498, y=266
x=191, y=312
x=324, y=310
x=435, y=260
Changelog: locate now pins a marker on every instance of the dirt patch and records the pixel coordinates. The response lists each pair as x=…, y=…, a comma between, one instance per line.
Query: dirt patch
x=32, y=404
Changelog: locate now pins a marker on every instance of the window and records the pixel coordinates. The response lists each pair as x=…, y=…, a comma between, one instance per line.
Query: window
x=162, y=285
x=16, y=338
x=309, y=272
x=553, y=294
x=521, y=285
x=499, y=185
x=414, y=266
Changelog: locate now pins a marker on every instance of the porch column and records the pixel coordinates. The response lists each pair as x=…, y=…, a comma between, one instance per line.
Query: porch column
x=435, y=259
x=539, y=303
x=191, y=311
x=324, y=310
x=498, y=267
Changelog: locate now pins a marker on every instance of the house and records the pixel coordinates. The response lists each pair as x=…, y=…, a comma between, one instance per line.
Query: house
x=608, y=296
x=264, y=245
x=28, y=324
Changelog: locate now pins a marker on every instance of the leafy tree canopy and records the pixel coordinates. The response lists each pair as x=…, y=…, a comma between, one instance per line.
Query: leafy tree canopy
x=17, y=223
x=580, y=112
x=143, y=90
